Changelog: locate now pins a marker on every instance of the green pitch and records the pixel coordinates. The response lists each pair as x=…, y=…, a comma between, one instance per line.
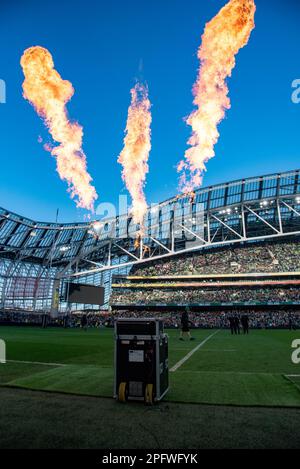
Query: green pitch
x=232, y=392
x=254, y=370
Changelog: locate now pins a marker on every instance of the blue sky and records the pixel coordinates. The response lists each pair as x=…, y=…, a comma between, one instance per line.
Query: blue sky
x=98, y=46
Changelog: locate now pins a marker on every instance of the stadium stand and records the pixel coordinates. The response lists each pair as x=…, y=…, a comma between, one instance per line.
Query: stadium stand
x=258, y=257
x=258, y=319
x=261, y=274
x=234, y=246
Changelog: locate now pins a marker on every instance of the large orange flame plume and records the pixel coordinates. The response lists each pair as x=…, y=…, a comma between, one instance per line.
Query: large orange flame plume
x=137, y=146
x=223, y=37
x=44, y=88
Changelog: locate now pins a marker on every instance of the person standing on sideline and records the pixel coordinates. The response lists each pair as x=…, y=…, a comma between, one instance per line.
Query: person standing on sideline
x=237, y=324
x=84, y=322
x=185, y=329
x=245, y=323
x=232, y=325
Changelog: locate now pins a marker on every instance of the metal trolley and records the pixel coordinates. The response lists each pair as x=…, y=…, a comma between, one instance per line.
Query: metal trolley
x=141, y=360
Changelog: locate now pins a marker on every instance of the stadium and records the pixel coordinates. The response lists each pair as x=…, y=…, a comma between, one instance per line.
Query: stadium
x=149, y=229
x=229, y=250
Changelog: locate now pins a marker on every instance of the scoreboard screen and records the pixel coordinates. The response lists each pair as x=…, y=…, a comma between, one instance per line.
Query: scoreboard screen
x=86, y=294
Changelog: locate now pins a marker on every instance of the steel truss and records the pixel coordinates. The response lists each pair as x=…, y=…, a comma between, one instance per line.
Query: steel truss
x=266, y=207
x=233, y=224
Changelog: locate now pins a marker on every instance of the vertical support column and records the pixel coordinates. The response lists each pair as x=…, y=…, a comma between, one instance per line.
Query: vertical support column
x=243, y=222
x=208, y=227
x=7, y=276
x=109, y=254
x=4, y=275
x=207, y=215
x=141, y=247
x=37, y=274
x=55, y=298
x=172, y=235
x=278, y=202
x=279, y=216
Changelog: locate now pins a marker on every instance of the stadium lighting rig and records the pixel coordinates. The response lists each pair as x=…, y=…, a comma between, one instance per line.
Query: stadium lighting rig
x=64, y=248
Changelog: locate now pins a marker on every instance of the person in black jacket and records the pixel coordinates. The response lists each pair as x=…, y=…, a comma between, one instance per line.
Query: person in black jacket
x=84, y=322
x=245, y=323
x=232, y=326
x=185, y=329
x=237, y=324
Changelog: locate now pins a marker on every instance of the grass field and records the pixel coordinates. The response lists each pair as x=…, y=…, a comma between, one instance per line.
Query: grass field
x=253, y=372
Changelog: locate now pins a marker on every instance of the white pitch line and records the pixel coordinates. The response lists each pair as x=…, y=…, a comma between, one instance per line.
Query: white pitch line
x=36, y=363
x=187, y=356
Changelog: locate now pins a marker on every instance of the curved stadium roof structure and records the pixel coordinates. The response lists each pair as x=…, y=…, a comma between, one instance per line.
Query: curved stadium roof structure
x=35, y=256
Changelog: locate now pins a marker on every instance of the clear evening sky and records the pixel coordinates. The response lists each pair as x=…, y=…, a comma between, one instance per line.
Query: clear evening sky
x=98, y=46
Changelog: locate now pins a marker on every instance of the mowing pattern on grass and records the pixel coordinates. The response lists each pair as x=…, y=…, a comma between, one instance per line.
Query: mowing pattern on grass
x=239, y=370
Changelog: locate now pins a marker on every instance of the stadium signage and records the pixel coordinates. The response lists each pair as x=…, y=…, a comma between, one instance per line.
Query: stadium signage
x=296, y=353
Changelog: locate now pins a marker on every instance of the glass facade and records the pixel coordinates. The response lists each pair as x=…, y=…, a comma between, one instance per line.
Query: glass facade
x=33, y=254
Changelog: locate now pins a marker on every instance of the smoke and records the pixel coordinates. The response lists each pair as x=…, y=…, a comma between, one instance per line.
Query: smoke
x=137, y=146
x=223, y=37
x=44, y=88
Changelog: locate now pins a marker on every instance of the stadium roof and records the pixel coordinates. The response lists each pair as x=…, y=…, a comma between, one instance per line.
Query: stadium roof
x=244, y=209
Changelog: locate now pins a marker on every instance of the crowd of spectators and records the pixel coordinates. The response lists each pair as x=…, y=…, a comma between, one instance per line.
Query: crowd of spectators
x=209, y=320
x=172, y=319
x=255, y=257
x=93, y=319
x=24, y=318
x=19, y=317
x=185, y=296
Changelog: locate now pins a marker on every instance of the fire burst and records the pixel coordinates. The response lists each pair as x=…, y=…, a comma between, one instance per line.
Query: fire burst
x=137, y=146
x=44, y=88
x=223, y=37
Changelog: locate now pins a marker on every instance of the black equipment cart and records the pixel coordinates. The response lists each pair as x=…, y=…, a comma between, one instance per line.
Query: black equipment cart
x=141, y=360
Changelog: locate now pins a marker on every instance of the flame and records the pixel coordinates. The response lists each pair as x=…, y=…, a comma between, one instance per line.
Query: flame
x=44, y=88
x=137, y=146
x=223, y=37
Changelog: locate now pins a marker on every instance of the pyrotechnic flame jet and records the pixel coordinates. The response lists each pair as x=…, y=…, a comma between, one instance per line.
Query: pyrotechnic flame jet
x=135, y=153
x=44, y=88
x=223, y=37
